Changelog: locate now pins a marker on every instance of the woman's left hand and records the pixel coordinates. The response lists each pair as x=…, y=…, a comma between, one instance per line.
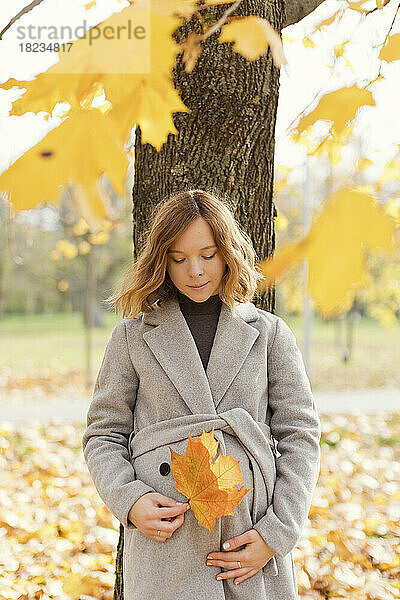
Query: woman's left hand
x=252, y=558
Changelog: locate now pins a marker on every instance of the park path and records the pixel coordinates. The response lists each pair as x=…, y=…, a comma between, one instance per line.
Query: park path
x=23, y=409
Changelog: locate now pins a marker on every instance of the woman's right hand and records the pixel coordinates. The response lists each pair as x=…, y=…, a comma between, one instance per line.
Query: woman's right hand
x=148, y=512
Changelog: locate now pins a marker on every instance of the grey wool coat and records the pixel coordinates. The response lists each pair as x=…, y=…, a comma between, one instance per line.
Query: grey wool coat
x=151, y=391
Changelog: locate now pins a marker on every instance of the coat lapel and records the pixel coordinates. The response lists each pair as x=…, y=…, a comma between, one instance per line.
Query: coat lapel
x=173, y=346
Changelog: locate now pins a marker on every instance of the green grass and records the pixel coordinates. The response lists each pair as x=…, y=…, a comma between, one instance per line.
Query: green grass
x=58, y=341
x=374, y=360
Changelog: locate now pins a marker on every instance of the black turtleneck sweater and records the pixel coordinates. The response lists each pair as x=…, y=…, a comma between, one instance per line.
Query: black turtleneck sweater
x=202, y=319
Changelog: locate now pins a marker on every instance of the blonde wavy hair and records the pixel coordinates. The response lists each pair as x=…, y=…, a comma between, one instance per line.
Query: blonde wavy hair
x=147, y=280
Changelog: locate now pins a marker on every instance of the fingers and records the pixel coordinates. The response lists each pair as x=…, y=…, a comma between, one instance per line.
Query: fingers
x=166, y=515
x=176, y=509
x=166, y=500
x=228, y=556
x=239, y=574
x=166, y=528
x=226, y=564
x=159, y=537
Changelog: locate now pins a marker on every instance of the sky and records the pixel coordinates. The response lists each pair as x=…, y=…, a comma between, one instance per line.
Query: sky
x=306, y=76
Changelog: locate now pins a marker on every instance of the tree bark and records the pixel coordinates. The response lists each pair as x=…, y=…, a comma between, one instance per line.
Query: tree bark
x=224, y=145
x=296, y=10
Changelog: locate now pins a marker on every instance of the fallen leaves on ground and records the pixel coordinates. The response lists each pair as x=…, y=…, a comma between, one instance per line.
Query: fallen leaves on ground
x=45, y=381
x=58, y=540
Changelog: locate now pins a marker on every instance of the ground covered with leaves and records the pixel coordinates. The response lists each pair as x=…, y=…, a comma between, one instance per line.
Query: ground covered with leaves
x=58, y=540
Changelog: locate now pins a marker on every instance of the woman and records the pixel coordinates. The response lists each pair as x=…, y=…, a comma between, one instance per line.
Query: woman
x=193, y=353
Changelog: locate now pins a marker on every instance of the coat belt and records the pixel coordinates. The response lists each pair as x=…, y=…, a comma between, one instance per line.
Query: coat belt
x=255, y=436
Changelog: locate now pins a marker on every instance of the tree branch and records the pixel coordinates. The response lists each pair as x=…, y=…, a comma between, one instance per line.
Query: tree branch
x=298, y=9
x=19, y=15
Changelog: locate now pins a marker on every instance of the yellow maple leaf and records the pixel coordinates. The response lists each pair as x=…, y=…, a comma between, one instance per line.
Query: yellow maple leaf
x=135, y=76
x=363, y=163
x=339, y=106
x=332, y=145
x=150, y=104
x=252, y=36
x=76, y=153
x=357, y=6
x=308, y=43
x=350, y=223
x=209, y=486
x=391, y=50
x=391, y=171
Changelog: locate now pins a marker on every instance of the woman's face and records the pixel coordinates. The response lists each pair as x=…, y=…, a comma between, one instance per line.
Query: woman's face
x=191, y=263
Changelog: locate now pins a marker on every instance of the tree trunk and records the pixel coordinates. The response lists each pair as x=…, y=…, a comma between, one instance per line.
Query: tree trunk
x=89, y=310
x=224, y=145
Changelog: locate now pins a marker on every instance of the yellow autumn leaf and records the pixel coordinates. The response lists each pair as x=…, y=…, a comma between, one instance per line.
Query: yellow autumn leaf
x=99, y=238
x=77, y=152
x=337, y=255
x=281, y=222
x=363, y=163
x=383, y=314
x=339, y=49
x=63, y=285
x=274, y=267
x=280, y=185
x=209, y=486
x=332, y=145
x=75, y=585
x=308, y=43
x=252, y=36
x=391, y=171
x=150, y=104
x=391, y=50
x=286, y=38
x=146, y=98
x=68, y=249
x=358, y=6
x=81, y=227
x=350, y=223
x=339, y=106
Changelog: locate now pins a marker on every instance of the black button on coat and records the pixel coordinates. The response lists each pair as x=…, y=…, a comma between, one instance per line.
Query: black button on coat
x=164, y=468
